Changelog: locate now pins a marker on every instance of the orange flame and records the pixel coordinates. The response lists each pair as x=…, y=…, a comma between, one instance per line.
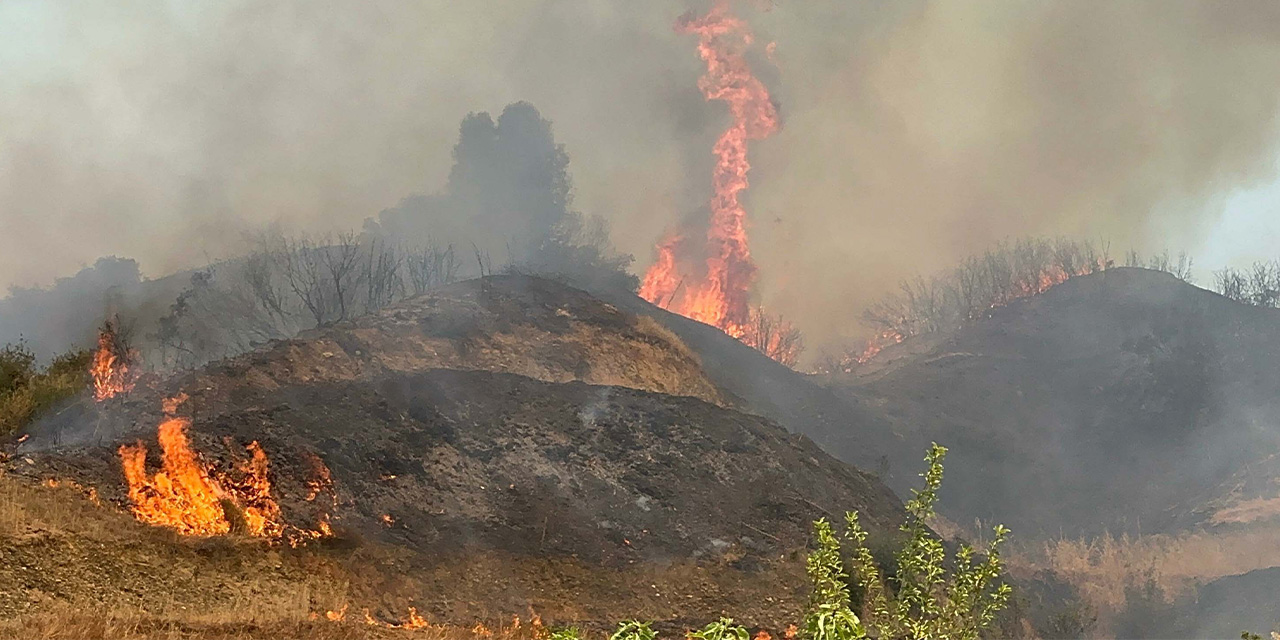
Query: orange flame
x=412, y=622
x=877, y=344
x=110, y=369
x=720, y=294
x=181, y=495
x=415, y=621
x=188, y=496
x=662, y=280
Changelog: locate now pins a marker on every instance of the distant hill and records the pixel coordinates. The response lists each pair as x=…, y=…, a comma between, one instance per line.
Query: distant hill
x=1125, y=400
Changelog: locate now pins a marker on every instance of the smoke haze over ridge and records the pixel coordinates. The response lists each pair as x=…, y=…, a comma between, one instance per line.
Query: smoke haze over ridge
x=913, y=133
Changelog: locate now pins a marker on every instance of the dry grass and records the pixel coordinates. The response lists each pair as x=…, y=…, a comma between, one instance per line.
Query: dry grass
x=80, y=624
x=1246, y=511
x=1104, y=567
x=24, y=508
x=65, y=622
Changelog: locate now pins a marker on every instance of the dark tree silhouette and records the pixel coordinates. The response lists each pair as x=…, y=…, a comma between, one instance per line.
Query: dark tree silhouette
x=510, y=194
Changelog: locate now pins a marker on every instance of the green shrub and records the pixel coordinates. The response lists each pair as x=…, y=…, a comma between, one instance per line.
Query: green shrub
x=722, y=629
x=634, y=630
x=923, y=600
x=566, y=633
x=17, y=367
x=26, y=391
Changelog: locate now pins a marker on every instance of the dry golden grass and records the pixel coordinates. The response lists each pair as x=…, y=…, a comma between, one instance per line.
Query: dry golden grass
x=67, y=623
x=1247, y=511
x=24, y=508
x=1102, y=568
x=63, y=621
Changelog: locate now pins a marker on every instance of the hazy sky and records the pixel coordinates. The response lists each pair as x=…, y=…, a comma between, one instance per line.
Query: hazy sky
x=914, y=133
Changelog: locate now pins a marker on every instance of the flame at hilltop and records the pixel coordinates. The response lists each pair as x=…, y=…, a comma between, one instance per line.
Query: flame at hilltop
x=718, y=292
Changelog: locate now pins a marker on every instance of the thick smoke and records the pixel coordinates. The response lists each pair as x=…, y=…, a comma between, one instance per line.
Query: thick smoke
x=914, y=133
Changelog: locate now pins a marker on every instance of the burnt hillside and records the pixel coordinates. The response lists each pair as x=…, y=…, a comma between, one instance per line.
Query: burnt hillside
x=462, y=426
x=843, y=424
x=1119, y=400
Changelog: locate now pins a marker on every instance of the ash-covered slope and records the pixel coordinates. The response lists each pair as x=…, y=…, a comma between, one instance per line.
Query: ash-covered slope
x=1120, y=400
x=463, y=458
x=843, y=424
x=435, y=455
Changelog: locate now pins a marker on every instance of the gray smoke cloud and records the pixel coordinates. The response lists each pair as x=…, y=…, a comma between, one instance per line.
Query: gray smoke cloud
x=914, y=133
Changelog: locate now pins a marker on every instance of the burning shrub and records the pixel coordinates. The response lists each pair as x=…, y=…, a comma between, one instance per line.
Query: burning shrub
x=921, y=601
x=1003, y=274
x=774, y=336
x=112, y=362
x=1006, y=272
x=26, y=391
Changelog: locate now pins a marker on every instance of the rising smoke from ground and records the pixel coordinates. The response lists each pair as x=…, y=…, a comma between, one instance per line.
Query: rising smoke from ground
x=913, y=133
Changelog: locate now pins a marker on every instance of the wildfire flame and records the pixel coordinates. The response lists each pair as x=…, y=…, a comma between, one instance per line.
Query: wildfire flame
x=182, y=495
x=415, y=621
x=718, y=292
x=110, y=366
x=190, y=497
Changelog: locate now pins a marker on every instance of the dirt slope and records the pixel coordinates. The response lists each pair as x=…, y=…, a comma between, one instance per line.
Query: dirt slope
x=511, y=324
x=1120, y=400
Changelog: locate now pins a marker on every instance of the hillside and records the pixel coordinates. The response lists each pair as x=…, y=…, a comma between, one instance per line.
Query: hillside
x=507, y=444
x=841, y=423
x=1126, y=400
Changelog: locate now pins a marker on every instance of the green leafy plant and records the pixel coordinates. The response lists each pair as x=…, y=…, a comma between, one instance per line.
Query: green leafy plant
x=829, y=616
x=722, y=629
x=923, y=600
x=634, y=630
x=26, y=391
x=565, y=633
